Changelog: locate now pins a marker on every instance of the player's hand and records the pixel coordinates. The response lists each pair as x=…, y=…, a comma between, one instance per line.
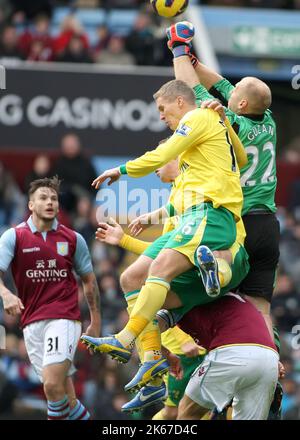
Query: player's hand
x=139, y=224
x=109, y=233
x=281, y=371
x=175, y=369
x=191, y=349
x=93, y=330
x=216, y=106
x=111, y=175
x=12, y=304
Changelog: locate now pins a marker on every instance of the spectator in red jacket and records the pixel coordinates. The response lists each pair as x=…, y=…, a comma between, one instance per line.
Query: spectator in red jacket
x=69, y=28
x=36, y=44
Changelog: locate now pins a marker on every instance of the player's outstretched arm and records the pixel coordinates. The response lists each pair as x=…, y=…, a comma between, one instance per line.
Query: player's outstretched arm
x=113, y=234
x=91, y=293
x=110, y=233
x=144, y=221
x=206, y=76
x=184, y=71
x=111, y=175
x=11, y=303
x=188, y=68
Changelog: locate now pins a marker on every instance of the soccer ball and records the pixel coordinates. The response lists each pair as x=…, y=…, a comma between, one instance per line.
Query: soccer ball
x=169, y=8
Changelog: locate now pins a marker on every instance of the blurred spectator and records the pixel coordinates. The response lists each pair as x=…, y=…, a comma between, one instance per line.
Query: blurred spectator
x=292, y=151
x=285, y=4
x=36, y=43
x=112, y=301
x=22, y=388
x=5, y=11
x=140, y=41
x=292, y=156
x=290, y=402
x=11, y=324
x=75, y=52
x=103, y=39
x=9, y=44
x=82, y=221
x=115, y=53
x=12, y=201
x=76, y=171
x=237, y=3
x=122, y=4
x=40, y=170
x=29, y=9
x=285, y=303
x=267, y=3
x=296, y=4
x=70, y=27
x=290, y=252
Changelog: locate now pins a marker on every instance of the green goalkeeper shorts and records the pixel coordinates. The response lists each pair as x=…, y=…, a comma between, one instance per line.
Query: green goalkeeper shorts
x=176, y=388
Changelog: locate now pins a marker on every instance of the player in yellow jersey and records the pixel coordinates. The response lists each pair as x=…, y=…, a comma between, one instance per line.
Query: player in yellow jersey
x=210, y=206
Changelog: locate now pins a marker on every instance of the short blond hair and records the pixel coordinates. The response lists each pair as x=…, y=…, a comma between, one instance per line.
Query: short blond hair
x=172, y=89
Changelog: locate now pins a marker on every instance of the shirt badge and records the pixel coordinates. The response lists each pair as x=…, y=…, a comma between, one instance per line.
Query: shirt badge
x=62, y=248
x=183, y=130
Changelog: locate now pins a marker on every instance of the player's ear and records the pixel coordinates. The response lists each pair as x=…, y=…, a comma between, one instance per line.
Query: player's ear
x=243, y=104
x=180, y=101
x=30, y=205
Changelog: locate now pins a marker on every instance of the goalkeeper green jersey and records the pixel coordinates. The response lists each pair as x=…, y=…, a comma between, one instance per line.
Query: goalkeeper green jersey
x=258, y=135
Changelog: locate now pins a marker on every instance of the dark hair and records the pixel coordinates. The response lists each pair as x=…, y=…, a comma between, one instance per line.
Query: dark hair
x=47, y=182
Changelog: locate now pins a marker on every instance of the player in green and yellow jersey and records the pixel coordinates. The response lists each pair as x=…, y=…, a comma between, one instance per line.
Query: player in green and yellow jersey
x=210, y=207
x=189, y=292
x=247, y=108
x=186, y=293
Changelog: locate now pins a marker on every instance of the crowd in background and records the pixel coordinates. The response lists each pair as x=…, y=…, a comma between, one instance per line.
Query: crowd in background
x=99, y=380
x=26, y=32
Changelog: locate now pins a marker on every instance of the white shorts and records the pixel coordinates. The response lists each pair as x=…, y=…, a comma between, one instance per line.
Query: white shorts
x=246, y=375
x=52, y=341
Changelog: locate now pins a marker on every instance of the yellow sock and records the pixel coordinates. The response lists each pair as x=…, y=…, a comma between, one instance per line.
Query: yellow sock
x=225, y=273
x=151, y=342
x=148, y=345
x=150, y=299
x=158, y=416
x=147, y=338
x=131, y=298
x=139, y=348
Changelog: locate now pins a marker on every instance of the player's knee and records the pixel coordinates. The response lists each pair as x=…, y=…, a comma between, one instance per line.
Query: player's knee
x=170, y=412
x=53, y=390
x=161, y=268
x=127, y=280
x=132, y=278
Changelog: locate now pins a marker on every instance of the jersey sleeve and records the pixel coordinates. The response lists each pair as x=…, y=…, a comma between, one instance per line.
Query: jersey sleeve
x=7, y=248
x=134, y=245
x=82, y=259
x=201, y=94
x=222, y=90
x=190, y=131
